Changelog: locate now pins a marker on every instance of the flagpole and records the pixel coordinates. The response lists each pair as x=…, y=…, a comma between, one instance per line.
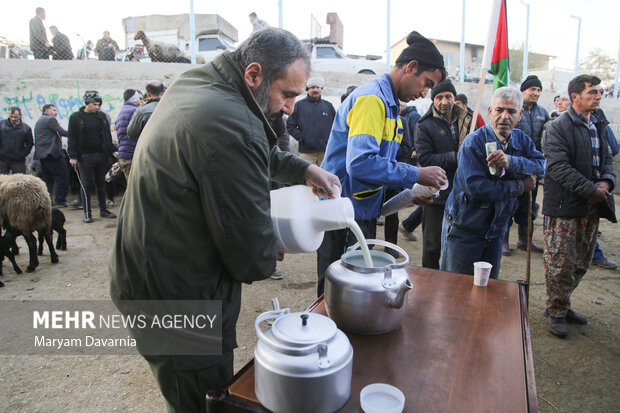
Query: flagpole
x=472, y=126
x=486, y=60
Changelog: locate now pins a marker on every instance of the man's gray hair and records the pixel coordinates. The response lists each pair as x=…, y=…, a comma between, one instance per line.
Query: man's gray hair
x=274, y=49
x=508, y=93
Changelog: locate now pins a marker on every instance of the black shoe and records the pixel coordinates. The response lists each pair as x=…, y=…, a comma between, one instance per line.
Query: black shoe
x=575, y=318
x=87, y=219
x=106, y=214
x=557, y=326
x=75, y=204
x=572, y=317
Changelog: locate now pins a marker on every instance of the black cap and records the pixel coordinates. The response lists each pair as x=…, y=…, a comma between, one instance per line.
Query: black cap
x=531, y=81
x=92, y=96
x=445, y=86
x=422, y=50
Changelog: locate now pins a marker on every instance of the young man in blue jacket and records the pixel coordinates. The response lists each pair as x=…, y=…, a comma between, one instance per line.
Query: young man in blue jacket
x=486, y=186
x=365, y=138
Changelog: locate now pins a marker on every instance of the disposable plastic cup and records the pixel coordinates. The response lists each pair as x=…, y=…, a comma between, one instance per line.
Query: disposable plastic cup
x=482, y=270
x=381, y=398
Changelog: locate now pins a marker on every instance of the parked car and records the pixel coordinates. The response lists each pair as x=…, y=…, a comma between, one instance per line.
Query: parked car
x=328, y=57
x=211, y=43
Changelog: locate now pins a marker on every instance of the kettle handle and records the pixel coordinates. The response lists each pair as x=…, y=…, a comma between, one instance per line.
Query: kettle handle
x=320, y=348
x=388, y=245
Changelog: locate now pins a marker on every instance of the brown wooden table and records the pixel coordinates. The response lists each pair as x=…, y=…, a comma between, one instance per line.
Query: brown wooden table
x=459, y=348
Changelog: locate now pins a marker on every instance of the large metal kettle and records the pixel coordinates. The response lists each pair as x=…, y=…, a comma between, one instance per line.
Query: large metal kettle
x=303, y=363
x=367, y=300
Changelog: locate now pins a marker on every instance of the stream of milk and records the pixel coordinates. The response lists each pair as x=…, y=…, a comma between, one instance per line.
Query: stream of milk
x=357, y=231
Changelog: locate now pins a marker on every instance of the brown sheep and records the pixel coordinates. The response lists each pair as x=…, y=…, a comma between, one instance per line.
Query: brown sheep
x=25, y=207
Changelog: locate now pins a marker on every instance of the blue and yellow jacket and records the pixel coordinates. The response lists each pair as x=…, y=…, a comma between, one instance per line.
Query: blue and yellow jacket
x=362, y=146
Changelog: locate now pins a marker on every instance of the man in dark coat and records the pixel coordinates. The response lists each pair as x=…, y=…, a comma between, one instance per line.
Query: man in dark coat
x=438, y=137
x=311, y=122
x=578, y=184
x=106, y=47
x=61, y=47
x=38, y=37
x=90, y=149
x=195, y=222
x=15, y=143
x=48, y=150
x=531, y=123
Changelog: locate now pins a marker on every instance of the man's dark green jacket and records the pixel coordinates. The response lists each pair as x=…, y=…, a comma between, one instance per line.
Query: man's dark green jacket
x=195, y=220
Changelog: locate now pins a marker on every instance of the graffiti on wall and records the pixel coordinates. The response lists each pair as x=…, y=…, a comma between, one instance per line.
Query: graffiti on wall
x=31, y=103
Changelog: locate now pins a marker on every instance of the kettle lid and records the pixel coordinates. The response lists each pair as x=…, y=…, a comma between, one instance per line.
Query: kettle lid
x=302, y=329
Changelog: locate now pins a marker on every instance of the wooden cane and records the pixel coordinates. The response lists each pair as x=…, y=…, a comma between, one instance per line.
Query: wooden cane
x=529, y=249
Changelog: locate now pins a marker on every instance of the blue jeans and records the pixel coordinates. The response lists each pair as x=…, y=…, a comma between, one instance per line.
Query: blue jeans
x=461, y=249
x=56, y=170
x=598, y=253
x=413, y=220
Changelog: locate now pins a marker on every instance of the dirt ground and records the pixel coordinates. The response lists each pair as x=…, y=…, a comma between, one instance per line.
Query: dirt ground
x=578, y=374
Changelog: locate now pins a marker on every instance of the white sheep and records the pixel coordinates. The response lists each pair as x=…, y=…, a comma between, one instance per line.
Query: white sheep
x=25, y=207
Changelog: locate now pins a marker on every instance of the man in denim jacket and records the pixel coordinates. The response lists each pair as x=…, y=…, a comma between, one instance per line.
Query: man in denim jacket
x=486, y=186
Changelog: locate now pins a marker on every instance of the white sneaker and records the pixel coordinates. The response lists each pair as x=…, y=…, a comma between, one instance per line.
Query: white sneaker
x=277, y=275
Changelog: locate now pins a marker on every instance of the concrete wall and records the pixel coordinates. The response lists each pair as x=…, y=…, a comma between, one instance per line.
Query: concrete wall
x=32, y=83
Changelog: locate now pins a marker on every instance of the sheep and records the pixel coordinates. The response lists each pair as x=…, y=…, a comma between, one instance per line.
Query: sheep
x=25, y=207
x=5, y=251
x=58, y=225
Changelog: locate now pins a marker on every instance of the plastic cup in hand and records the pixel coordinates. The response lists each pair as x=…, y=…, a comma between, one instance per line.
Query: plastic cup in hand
x=482, y=271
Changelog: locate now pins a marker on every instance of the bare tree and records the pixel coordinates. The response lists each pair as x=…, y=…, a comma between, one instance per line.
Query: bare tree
x=599, y=64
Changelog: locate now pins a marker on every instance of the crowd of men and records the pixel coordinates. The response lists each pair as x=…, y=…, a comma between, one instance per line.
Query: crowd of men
x=180, y=180
x=90, y=151
x=59, y=48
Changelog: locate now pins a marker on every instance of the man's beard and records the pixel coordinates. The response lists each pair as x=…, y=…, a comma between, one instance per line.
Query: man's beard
x=262, y=98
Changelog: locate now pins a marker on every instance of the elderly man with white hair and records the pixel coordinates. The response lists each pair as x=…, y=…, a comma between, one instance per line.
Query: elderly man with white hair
x=496, y=164
x=311, y=122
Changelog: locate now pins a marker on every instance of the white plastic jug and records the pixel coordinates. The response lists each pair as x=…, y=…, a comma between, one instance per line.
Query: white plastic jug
x=300, y=219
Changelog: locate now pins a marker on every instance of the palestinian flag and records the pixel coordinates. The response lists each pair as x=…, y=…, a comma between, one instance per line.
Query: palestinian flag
x=496, y=49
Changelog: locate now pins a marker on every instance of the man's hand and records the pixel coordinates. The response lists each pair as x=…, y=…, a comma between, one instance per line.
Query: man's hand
x=432, y=176
x=418, y=200
x=529, y=183
x=280, y=256
x=414, y=154
x=322, y=181
x=73, y=163
x=601, y=193
x=498, y=159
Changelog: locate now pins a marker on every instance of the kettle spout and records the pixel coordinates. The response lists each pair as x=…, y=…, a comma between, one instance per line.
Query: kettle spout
x=396, y=297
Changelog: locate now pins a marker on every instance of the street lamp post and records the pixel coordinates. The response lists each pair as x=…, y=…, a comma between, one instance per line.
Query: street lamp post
x=616, y=85
x=526, y=46
x=576, y=72
x=388, y=54
x=280, y=14
x=462, y=57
